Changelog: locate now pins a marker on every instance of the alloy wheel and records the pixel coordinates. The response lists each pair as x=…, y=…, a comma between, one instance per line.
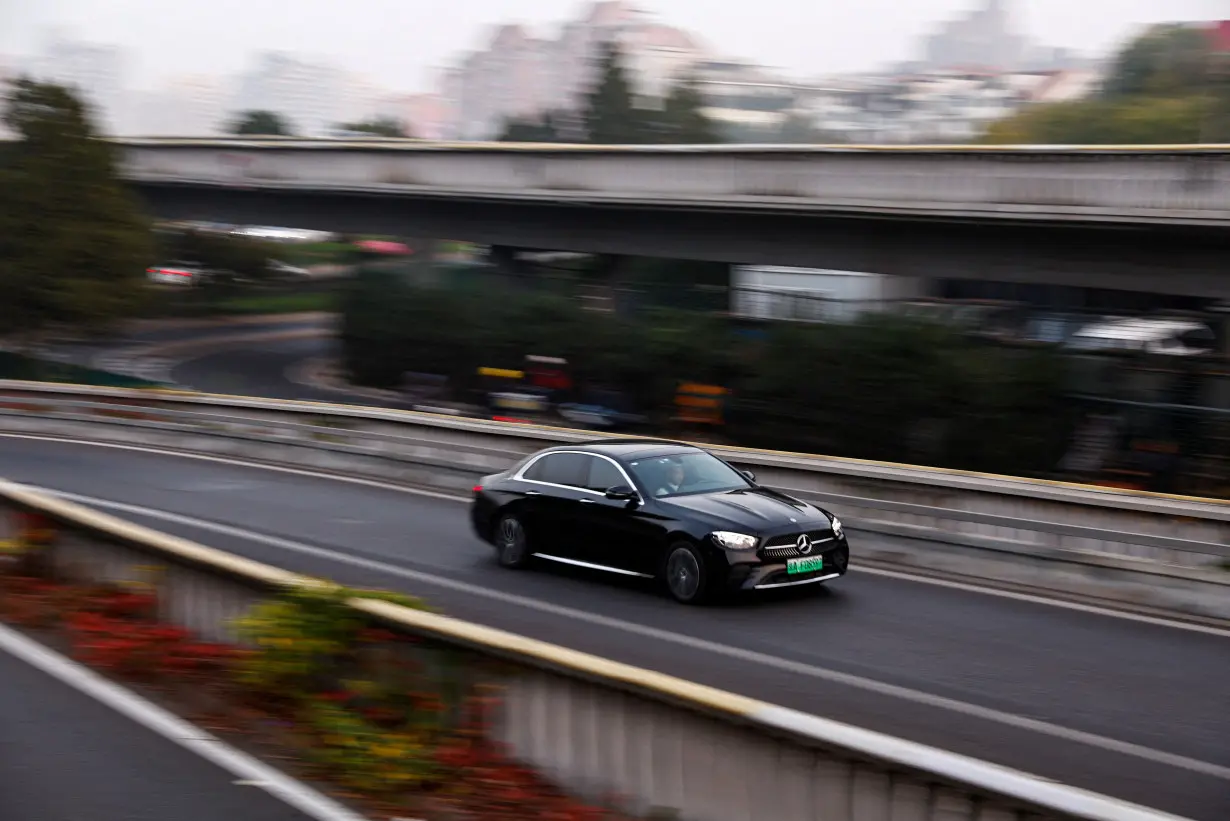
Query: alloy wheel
x=683, y=574
x=511, y=542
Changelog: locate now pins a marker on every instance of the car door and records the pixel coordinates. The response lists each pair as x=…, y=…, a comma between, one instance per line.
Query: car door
x=552, y=495
x=618, y=533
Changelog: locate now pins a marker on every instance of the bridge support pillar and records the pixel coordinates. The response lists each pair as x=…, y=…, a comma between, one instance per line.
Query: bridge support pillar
x=512, y=268
x=611, y=279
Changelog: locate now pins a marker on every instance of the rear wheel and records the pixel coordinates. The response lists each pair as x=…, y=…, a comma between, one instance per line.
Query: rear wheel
x=512, y=547
x=687, y=580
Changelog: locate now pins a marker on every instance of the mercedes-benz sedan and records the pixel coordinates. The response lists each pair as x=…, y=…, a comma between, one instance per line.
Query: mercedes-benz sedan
x=657, y=510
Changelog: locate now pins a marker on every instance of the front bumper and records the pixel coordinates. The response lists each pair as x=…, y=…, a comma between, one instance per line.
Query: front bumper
x=758, y=574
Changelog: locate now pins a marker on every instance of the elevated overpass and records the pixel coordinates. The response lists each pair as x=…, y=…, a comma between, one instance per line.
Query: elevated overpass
x=1127, y=218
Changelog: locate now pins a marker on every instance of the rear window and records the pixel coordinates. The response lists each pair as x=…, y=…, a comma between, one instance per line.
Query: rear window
x=603, y=475
x=569, y=469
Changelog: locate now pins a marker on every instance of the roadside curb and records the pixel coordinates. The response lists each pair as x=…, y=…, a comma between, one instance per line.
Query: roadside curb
x=323, y=373
x=146, y=325
x=155, y=361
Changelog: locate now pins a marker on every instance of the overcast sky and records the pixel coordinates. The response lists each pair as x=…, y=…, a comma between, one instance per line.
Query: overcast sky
x=398, y=43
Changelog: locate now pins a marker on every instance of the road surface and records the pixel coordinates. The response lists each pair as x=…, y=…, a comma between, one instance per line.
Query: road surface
x=67, y=757
x=1126, y=707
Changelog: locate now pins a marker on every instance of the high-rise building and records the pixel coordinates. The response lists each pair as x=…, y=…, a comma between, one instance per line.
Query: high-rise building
x=94, y=70
x=520, y=76
x=983, y=38
x=309, y=96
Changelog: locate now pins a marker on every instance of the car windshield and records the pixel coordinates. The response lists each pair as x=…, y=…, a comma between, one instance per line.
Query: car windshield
x=677, y=474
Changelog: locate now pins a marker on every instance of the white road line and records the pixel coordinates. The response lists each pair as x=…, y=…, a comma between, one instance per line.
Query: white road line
x=901, y=575
x=743, y=655
x=246, y=769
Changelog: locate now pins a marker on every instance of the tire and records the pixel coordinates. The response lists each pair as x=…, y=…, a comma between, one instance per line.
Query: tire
x=511, y=545
x=687, y=579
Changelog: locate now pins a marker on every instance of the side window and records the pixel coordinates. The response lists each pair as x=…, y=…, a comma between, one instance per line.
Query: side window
x=560, y=469
x=603, y=475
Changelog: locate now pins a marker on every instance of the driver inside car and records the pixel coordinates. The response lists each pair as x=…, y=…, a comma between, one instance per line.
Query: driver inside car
x=672, y=479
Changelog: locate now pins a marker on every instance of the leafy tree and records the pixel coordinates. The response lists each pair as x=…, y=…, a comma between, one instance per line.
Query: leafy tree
x=682, y=120
x=1130, y=121
x=1167, y=60
x=1166, y=86
x=380, y=127
x=74, y=240
x=544, y=130
x=611, y=115
x=261, y=124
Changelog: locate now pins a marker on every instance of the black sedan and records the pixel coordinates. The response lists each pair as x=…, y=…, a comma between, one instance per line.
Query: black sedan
x=657, y=510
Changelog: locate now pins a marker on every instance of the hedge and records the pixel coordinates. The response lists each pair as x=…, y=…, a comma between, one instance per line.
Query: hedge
x=883, y=387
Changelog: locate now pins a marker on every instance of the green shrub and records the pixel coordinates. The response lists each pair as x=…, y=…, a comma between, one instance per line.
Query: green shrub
x=885, y=387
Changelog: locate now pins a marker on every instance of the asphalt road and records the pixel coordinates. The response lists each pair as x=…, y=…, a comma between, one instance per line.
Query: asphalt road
x=1125, y=707
x=88, y=353
x=262, y=370
x=67, y=757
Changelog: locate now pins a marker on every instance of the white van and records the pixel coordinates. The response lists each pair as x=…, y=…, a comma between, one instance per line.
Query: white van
x=1168, y=337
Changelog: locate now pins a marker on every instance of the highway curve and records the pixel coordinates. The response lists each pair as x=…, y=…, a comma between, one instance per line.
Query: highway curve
x=1124, y=706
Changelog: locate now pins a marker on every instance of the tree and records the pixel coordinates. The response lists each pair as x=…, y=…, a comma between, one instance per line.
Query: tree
x=611, y=116
x=682, y=120
x=261, y=124
x=1164, y=87
x=379, y=127
x=1167, y=60
x=543, y=130
x=73, y=238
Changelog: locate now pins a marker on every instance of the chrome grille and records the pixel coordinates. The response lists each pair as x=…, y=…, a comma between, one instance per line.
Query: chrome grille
x=783, y=547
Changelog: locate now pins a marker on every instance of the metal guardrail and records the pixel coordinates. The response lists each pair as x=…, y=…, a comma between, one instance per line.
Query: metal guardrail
x=1042, y=515
x=480, y=459
x=600, y=727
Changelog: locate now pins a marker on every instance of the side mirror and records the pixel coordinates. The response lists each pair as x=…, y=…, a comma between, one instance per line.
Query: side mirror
x=747, y=474
x=621, y=493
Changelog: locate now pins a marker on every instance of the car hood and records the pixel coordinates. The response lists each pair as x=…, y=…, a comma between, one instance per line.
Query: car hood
x=755, y=509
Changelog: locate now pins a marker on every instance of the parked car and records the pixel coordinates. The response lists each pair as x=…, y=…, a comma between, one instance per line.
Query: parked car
x=176, y=273
x=657, y=509
x=284, y=270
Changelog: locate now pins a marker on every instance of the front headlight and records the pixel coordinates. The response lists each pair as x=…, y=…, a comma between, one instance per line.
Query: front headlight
x=837, y=531
x=734, y=541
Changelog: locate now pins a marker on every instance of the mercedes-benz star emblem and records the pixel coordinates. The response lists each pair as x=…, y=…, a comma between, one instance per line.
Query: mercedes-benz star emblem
x=803, y=545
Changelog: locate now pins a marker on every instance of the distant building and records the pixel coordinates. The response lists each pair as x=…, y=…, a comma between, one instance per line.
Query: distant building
x=984, y=39
x=95, y=71
x=520, y=76
x=185, y=107
x=746, y=102
x=310, y=96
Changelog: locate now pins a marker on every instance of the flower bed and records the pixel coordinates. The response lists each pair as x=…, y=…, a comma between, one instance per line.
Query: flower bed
x=392, y=725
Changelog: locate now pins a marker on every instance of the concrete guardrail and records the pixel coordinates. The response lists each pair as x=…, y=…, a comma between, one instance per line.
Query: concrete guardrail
x=1142, y=550
x=1169, y=184
x=599, y=727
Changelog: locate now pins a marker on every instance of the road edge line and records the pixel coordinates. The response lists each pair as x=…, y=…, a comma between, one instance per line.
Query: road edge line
x=246, y=768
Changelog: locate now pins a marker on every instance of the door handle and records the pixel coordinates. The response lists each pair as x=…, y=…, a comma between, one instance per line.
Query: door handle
x=587, y=501
x=532, y=493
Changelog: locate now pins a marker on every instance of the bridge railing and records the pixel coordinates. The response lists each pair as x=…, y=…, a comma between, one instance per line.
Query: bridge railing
x=595, y=726
x=1159, y=551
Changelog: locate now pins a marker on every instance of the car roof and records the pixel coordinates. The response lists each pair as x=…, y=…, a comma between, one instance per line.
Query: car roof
x=629, y=447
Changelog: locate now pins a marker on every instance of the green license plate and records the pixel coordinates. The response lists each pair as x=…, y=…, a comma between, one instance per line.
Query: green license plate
x=810, y=564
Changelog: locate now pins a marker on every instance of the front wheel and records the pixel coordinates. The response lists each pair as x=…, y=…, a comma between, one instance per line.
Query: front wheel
x=686, y=576
x=512, y=547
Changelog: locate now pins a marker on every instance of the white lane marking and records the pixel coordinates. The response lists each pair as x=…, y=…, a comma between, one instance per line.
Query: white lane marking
x=223, y=460
x=901, y=575
x=247, y=770
x=743, y=655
